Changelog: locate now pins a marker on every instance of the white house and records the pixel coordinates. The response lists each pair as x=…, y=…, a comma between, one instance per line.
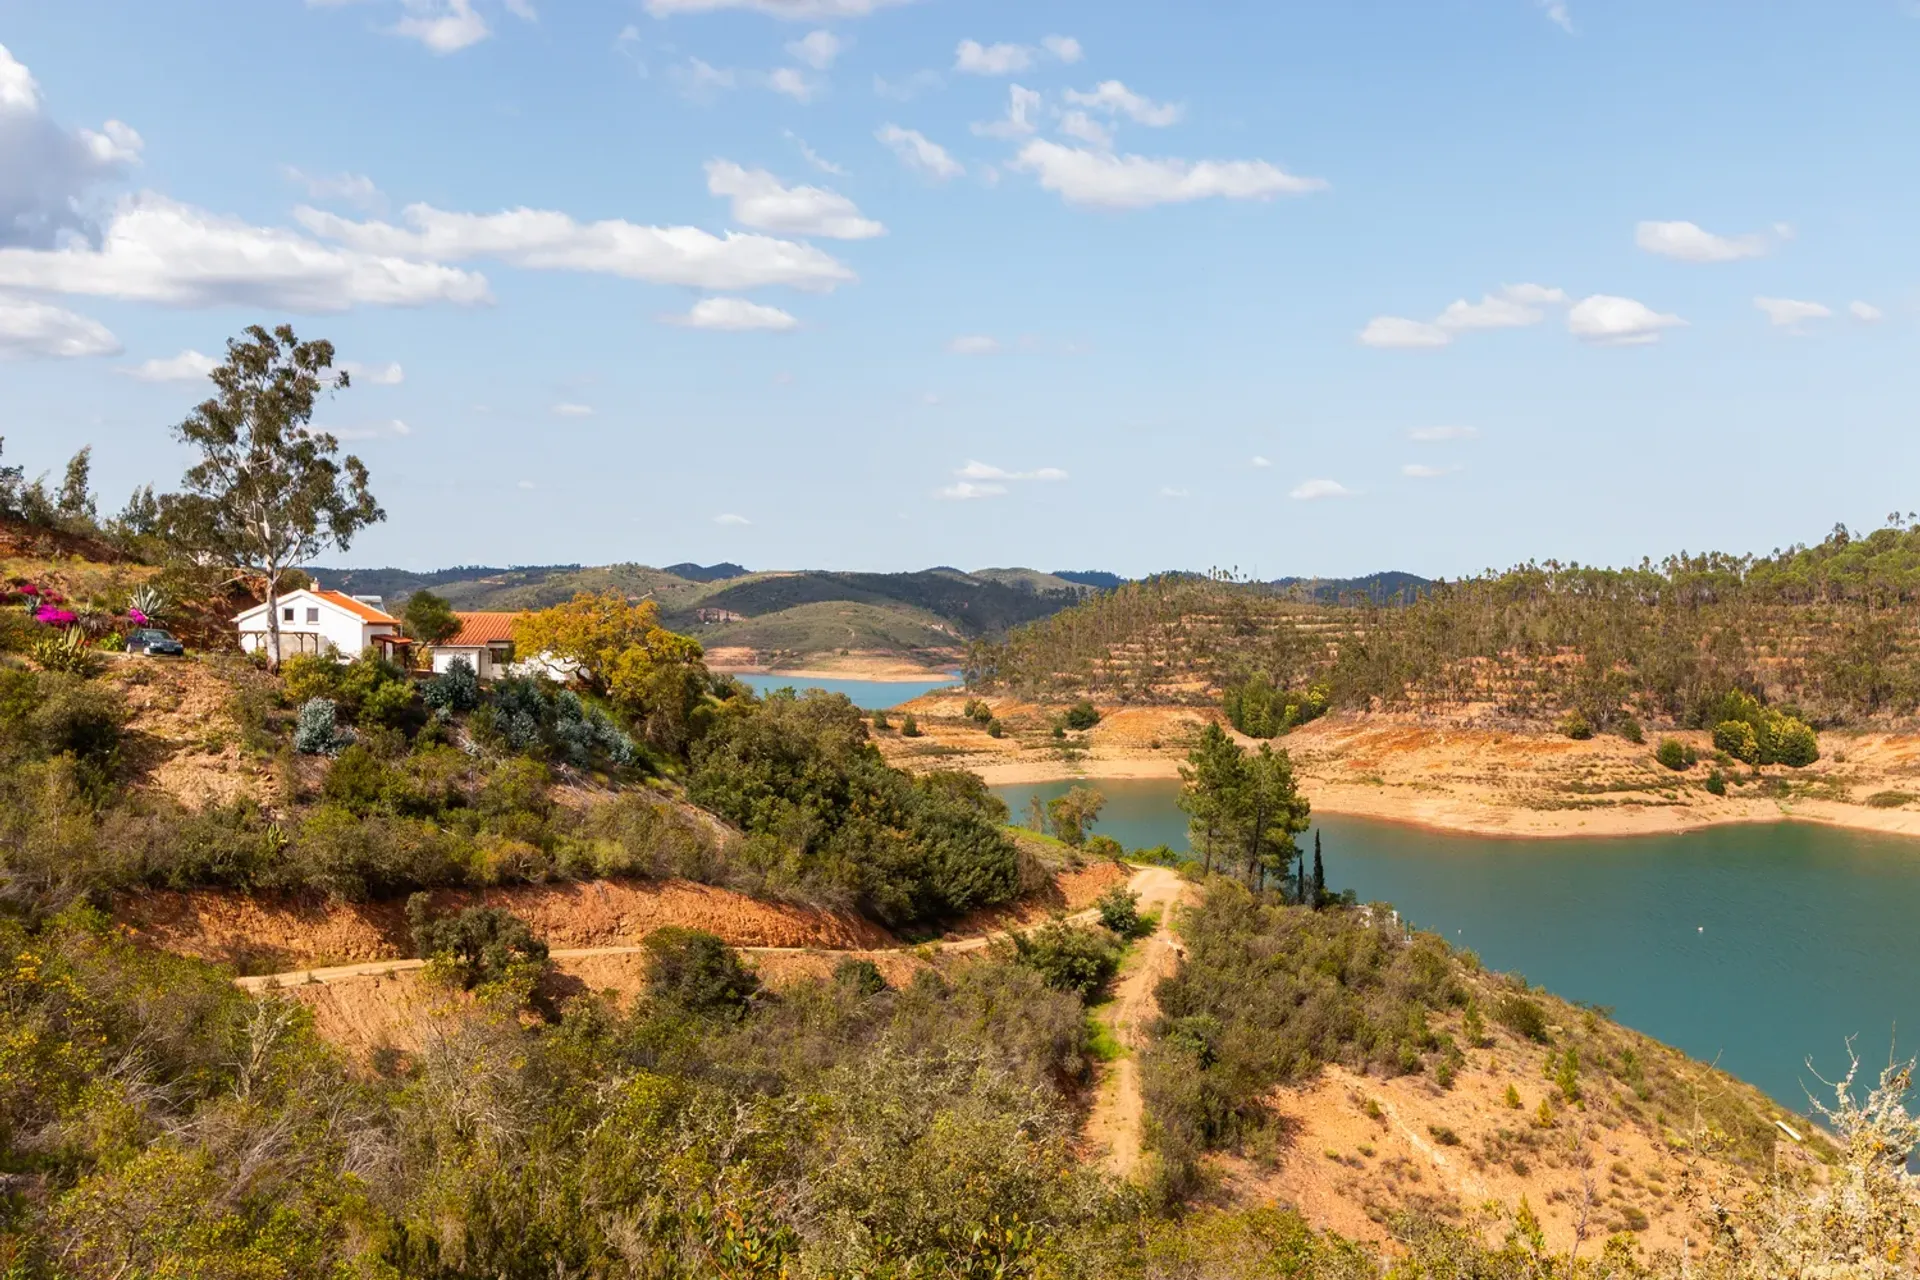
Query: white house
x=324, y=622
x=485, y=640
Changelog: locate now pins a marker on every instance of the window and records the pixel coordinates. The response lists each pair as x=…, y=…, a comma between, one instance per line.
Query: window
x=286, y=615
x=313, y=617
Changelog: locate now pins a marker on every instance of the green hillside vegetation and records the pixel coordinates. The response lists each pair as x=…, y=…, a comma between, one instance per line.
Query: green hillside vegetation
x=1827, y=631
x=793, y=634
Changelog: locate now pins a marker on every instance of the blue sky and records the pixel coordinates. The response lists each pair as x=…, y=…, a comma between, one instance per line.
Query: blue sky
x=1301, y=288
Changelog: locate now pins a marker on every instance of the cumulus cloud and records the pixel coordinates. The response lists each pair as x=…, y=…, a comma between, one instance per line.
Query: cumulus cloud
x=817, y=49
x=736, y=315
x=544, y=240
x=977, y=59
x=986, y=471
x=1106, y=180
x=353, y=189
x=443, y=26
x=1065, y=48
x=48, y=173
x=700, y=81
x=1433, y=435
x=1426, y=471
x=1115, y=99
x=794, y=84
x=1023, y=105
x=789, y=10
x=1688, y=242
x=814, y=158
x=35, y=329
x=1788, y=313
x=1309, y=490
x=1557, y=14
x=1258, y=461
x=389, y=374
x=1617, y=322
x=156, y=250
x=188, y=366
x=1514, y=306
x=728, y=517
x=966, y=490
x=568, y=409
x=1491, y=312
x=917, y=152
x=1865, y=311
x=1170, y=491
x=975, y=344
x=1400, y=333
x=760, y=200
x=1078, y=124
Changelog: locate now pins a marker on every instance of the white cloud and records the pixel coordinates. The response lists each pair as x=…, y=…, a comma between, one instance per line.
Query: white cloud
x=817, y=49
x=567, y=409
x=1788, y=312
x=1136, y=182
x=48, y=172
x=1168, y=491
x=29, y=328
x=1309, y=490
x=965, y=491
x=908, y=89
x=986, y=471
x=1114, y=98
x=789, y=10
x=155, y=250
x=1865, y=311
x=1400, y=333
x=1023, y=105
x=188, y=366
x=975, y=344
x=728, y=517
x=917, y=152
x=735, y=315
x=1688, y=242
x=1557, y=14
x=759, y=200
x=1065, y=48
x=1259, y=461
x=1537, y=295
x=1431, y=435
x=354, y=189
x=1490, y=312
x=1617, y=322
x=794, y=84
x=544, y=240
x=375, y=375
x=700, y=80
x=1078, y=124
x=814, y=158
x=443, y=26
x=977, y=59
x=1424, y=471
x=523, y=9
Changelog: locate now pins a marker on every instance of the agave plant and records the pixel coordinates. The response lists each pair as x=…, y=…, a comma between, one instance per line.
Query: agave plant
x=66, y=652
x=147, y=604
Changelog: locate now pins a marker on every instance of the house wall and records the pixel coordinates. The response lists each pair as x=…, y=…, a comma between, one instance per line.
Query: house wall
x=315, y=627
x=477, y=658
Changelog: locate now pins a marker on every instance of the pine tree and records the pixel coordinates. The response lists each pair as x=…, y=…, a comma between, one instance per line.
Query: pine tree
x=1319, y=873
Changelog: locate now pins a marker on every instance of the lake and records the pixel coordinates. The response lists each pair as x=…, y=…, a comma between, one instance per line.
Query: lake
x=868, y=695
x=1758, y=945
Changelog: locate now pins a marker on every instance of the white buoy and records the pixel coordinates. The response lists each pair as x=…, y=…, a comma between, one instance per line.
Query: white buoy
x=1703, y=928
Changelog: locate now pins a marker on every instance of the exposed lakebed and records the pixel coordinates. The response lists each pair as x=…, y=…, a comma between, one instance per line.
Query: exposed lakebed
x=1758, y=945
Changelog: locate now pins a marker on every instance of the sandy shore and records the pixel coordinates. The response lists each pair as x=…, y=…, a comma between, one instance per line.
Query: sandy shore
x=1448, y=777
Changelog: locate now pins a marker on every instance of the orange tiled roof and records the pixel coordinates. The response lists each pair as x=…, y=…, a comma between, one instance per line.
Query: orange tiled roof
x=478, y=629
x=365, y=612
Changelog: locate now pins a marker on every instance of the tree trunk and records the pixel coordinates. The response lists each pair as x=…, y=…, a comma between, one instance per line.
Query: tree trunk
x=273, y=618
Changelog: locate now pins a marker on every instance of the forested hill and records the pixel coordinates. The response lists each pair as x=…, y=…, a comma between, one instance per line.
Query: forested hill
x=1392, y=587
x=1829, y=628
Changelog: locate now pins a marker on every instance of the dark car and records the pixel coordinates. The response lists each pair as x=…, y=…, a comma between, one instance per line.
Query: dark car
x=152, y=641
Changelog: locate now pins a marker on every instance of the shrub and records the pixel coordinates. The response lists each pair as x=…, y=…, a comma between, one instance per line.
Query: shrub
x=696, y=971
x=1794, y=743
x=479, y=945
x=358, y=781
x=1576, y=725
x=1443, y=1135
x=995, y=729
x=1069, y=957
x=455, y=689
x=306, y=676
x=880, y=720
x=1716, y=783
x=909, y=727
x=1890, y=799
x=977, y=711
x=317, y=732
x=1082, y=715
x=1675, y=754
x=65, y=715
x=66, y=652
x=862, y=977
x=1630, y=729
x=1737, y=739
x=1071, y=814
x=1104, y=847
x=1521, y=1016
x=1119, y=909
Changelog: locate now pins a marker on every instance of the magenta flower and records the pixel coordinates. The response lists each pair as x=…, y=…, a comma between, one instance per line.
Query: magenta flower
x=56, y=617
x=136, y=617
x=28, y=589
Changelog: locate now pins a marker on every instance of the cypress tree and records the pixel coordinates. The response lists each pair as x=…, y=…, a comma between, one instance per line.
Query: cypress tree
x=1319, y=872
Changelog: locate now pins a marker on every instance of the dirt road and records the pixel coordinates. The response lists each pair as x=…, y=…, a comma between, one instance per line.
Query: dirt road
x=1114, y=1127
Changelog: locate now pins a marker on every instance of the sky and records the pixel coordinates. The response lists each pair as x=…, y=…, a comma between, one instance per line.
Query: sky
x=1296, y=288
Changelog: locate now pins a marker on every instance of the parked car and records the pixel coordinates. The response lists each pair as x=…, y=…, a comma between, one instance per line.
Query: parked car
x=152, y=641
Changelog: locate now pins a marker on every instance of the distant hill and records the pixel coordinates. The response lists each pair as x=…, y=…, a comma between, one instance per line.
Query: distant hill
x=1097, y=578
x=722, y=572
x=1392, y=587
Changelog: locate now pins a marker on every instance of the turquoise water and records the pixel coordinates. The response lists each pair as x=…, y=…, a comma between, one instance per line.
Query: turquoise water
x=868, y=695
x=1757, y=945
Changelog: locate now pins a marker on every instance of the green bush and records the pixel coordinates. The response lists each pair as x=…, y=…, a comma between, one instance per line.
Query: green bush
x=1257, y=709
x=1737, y=739
x=995, y=729
x=1631, y=730
x=862, y=977
x=1575, y=725
x=1104, y=847
x=909, y=727
x=1082, y=715
x=317, y=731
x=697, y=971
x=1793, y=743
x=478, y=945
x=1119, y=909
x=1717, y=783
x=66, y=652
x=457, y=689
x=306, y=676
x=1675, y=755
x=977, y=711
x=1521, y=1016
x=880, y=720
x=1890, y=799
x=1070, y=957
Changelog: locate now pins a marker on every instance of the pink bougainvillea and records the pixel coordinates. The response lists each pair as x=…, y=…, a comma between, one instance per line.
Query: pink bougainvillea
x=28, y=589
x=56, y=617
x=136, y=617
